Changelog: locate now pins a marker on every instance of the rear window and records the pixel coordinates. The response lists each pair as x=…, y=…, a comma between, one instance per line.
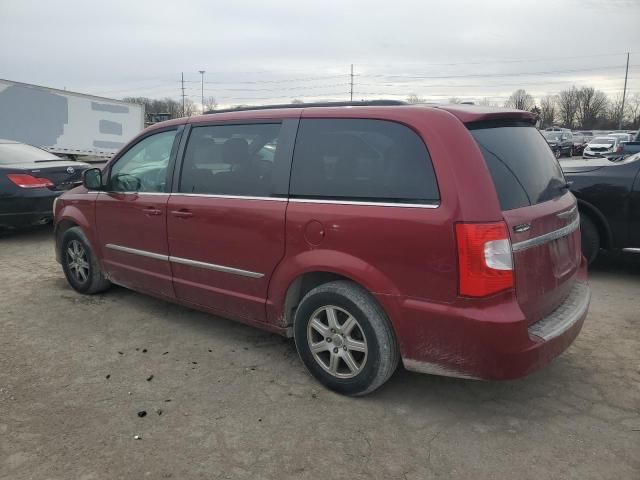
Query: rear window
x=522, y=166
x=362, y=160
x=21, y=153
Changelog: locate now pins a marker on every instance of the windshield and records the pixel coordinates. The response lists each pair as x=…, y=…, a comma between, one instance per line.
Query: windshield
x=21, y=153
x=606, y=140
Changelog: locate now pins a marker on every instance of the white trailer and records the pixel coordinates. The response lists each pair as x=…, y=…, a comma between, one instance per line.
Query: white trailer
x=66, y=123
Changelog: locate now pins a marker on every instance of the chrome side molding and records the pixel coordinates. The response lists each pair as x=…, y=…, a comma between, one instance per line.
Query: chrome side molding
x=185, y=261
x=218, y=268
x=135, y=251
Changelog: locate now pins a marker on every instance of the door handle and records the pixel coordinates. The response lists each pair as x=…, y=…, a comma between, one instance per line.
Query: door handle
x=182, y=213
x=152, y=211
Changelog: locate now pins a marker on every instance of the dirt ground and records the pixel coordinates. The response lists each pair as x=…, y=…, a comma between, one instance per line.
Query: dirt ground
x=226, y=401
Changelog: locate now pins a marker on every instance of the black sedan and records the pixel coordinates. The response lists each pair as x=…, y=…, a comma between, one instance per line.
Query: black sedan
x=30, y=180
x=608, y=193
x=561, y=143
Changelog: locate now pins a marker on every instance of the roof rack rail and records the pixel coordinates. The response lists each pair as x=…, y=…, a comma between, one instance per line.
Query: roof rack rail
x=364, y=103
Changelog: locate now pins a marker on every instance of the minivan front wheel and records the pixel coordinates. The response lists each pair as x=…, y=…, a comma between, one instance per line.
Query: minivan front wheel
x=80, y=264
x=344, y=338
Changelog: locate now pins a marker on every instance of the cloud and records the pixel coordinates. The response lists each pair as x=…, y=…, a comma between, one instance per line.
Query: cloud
x=120, y=48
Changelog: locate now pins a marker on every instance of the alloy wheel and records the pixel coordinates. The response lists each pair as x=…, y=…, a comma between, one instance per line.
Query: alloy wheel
x=77, y=261
x=337, y=342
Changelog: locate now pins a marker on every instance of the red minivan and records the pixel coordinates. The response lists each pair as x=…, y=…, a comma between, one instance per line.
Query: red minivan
x=443, y=236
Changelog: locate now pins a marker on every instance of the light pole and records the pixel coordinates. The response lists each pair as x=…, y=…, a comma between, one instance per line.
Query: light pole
x=202, y=89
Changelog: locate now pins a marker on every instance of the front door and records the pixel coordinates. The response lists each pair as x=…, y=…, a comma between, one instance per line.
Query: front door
x=225, y=220
x=131, y=216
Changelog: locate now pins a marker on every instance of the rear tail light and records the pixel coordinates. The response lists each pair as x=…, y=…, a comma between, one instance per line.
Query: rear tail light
x=484, y=258
x=619, y=149
x=24, y=180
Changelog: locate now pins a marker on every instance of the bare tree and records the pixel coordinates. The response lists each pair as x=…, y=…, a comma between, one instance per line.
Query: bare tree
x=614, y=109
x=634, y=110
x=548, y=110
x=165, y=105
x=592, y=104
x=413, y=98
x=520, y=100
x=210, y=104
x=189, y=108
x=487, y=102
x=568, y=106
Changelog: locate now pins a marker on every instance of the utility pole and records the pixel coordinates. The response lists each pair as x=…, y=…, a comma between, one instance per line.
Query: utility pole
x=624, y=93
x=182, y=93
x=351, y=91
x=202, y=89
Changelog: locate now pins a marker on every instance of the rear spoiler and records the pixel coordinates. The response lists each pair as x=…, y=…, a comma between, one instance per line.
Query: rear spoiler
x=468, y=114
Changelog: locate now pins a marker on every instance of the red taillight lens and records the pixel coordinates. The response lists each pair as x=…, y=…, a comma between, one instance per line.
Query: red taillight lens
x=29, y=181
x=484, y=258
x=619, y=149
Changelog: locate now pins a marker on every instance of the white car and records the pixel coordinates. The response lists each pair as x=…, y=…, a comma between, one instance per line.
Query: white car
x=601, y=146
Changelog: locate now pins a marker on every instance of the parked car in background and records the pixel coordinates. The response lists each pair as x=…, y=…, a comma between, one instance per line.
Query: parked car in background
x=579, y=142
x=588, y=134
x=30, y=180
x=608, y=196
x=602, y=146
x=632, y=147
x=561, y=142
x=445, y=236
x=622, y=137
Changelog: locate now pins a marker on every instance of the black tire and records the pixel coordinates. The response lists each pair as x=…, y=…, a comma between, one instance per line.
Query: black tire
x=374, y=329
x=93, y=280
x=557, y=153
x=590, y=238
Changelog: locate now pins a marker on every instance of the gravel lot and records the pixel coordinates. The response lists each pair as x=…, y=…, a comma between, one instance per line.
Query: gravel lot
x=236, y=402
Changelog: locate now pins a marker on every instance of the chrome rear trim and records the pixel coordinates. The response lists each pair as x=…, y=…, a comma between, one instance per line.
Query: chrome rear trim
x=547, y=237
x=218, y=268
x=631, y=250
x=566, y=315
x=135, y=251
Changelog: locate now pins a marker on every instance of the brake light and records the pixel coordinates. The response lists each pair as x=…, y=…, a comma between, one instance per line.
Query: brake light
x=24, y=180
x=484, y=258
x=619, y=149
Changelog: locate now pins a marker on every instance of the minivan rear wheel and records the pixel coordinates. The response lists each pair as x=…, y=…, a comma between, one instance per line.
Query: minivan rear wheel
x=345, y=339
x=80, y=264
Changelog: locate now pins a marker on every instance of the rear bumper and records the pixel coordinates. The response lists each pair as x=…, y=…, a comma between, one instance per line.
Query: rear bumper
x=488, y=343
x=32, y=209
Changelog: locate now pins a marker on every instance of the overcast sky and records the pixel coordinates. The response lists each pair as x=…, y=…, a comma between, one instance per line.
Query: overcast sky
x=273, y=51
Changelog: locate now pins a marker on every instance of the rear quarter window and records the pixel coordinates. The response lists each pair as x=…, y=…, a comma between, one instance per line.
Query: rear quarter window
x=362, y=160
x=522, y=166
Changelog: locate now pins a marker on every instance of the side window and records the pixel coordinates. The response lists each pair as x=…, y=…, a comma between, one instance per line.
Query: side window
x=366, y=160
x=230, y=160
x=143, y=168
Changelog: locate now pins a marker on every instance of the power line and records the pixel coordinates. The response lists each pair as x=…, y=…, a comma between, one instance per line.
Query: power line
x=494, y=75
x=485, y=62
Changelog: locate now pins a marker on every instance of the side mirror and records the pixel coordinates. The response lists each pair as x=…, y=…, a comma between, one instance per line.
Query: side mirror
x=92, y=179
